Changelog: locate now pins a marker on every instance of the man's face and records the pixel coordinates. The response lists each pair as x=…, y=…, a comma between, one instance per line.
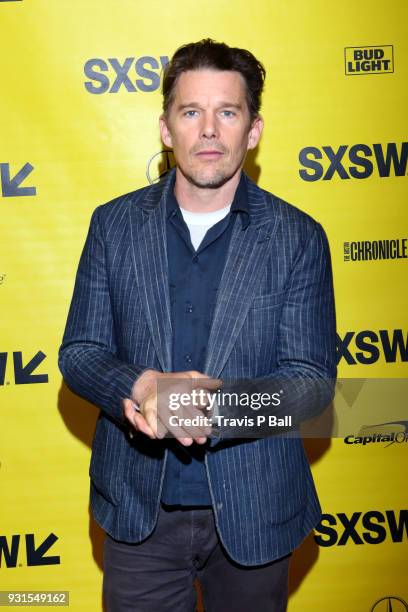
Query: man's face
x=208, y=126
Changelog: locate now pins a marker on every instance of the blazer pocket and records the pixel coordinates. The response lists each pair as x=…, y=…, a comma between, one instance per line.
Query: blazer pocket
x=268, y=300
x=106, y=467
x=281, y=469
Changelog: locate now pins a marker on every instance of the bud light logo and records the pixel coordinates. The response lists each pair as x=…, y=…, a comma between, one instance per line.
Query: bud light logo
x=369, y=60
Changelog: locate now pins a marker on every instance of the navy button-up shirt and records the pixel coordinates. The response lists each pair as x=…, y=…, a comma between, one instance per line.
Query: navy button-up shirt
x=194, y=277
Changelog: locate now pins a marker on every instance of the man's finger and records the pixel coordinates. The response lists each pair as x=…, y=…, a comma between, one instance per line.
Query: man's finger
x=128, y=409
x=148, y=409
x=211, y=384
x=165, y=428
x=142, y=426
x=136, y=419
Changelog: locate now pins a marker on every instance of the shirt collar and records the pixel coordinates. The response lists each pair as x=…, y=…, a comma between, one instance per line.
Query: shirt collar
x=239, y=203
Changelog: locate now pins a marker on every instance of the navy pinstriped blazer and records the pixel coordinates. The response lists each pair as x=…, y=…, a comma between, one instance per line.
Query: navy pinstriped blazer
x=274, y=316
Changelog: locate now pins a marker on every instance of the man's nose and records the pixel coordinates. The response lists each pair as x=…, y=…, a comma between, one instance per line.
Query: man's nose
x=210, y=126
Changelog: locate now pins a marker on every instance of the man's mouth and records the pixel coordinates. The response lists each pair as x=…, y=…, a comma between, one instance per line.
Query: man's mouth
x=209, y=154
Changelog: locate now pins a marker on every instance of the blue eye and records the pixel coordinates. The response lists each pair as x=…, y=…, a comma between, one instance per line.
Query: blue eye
x=190, y=113
x=228, y=113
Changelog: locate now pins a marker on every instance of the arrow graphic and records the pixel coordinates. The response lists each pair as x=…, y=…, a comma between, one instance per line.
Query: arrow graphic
x=35, y=556
x=23, y=375
x=11, y=186
x=350, y=389
x=3, y=363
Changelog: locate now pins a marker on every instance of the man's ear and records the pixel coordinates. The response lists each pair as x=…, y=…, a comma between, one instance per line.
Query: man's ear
x=255, y=132
x=165, y=132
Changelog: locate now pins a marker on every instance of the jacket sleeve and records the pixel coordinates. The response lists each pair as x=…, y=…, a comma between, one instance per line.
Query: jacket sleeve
x=88, y=355
x=306, y=351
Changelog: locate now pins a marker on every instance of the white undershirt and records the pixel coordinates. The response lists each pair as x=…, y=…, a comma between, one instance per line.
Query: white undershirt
x=200, y=223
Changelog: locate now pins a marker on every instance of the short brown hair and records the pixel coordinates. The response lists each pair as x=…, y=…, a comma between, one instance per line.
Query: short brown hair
x=207, y=53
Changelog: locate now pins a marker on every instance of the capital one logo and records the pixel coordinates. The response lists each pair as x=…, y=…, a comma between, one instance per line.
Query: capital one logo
x=391, y=432
x=131, y=74
x=357, y=161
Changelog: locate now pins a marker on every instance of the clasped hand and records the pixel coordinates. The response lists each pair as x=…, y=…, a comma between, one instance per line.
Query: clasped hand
x=158, y=415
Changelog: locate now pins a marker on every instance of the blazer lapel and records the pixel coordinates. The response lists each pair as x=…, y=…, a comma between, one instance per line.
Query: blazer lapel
x=149, y=249
x=246, y=258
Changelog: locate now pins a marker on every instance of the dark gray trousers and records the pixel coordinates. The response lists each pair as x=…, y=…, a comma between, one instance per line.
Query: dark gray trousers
x=158, y=574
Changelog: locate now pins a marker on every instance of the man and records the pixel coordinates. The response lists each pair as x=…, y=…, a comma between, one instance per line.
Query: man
x=202, y=276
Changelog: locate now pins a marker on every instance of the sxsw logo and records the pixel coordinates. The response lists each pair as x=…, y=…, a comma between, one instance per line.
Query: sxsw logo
x=393, y=345
x=369, y=60
x=11, y=185
x=132, y=74
x=35, y=552
x=23, y=372
x=372, y=527
x=357, y=161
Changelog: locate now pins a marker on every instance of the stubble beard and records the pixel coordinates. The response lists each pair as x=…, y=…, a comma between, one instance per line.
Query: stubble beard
x=216, y=180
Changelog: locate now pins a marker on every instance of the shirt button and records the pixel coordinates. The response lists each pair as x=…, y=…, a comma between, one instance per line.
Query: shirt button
x=188, y=358
x=189, y=308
